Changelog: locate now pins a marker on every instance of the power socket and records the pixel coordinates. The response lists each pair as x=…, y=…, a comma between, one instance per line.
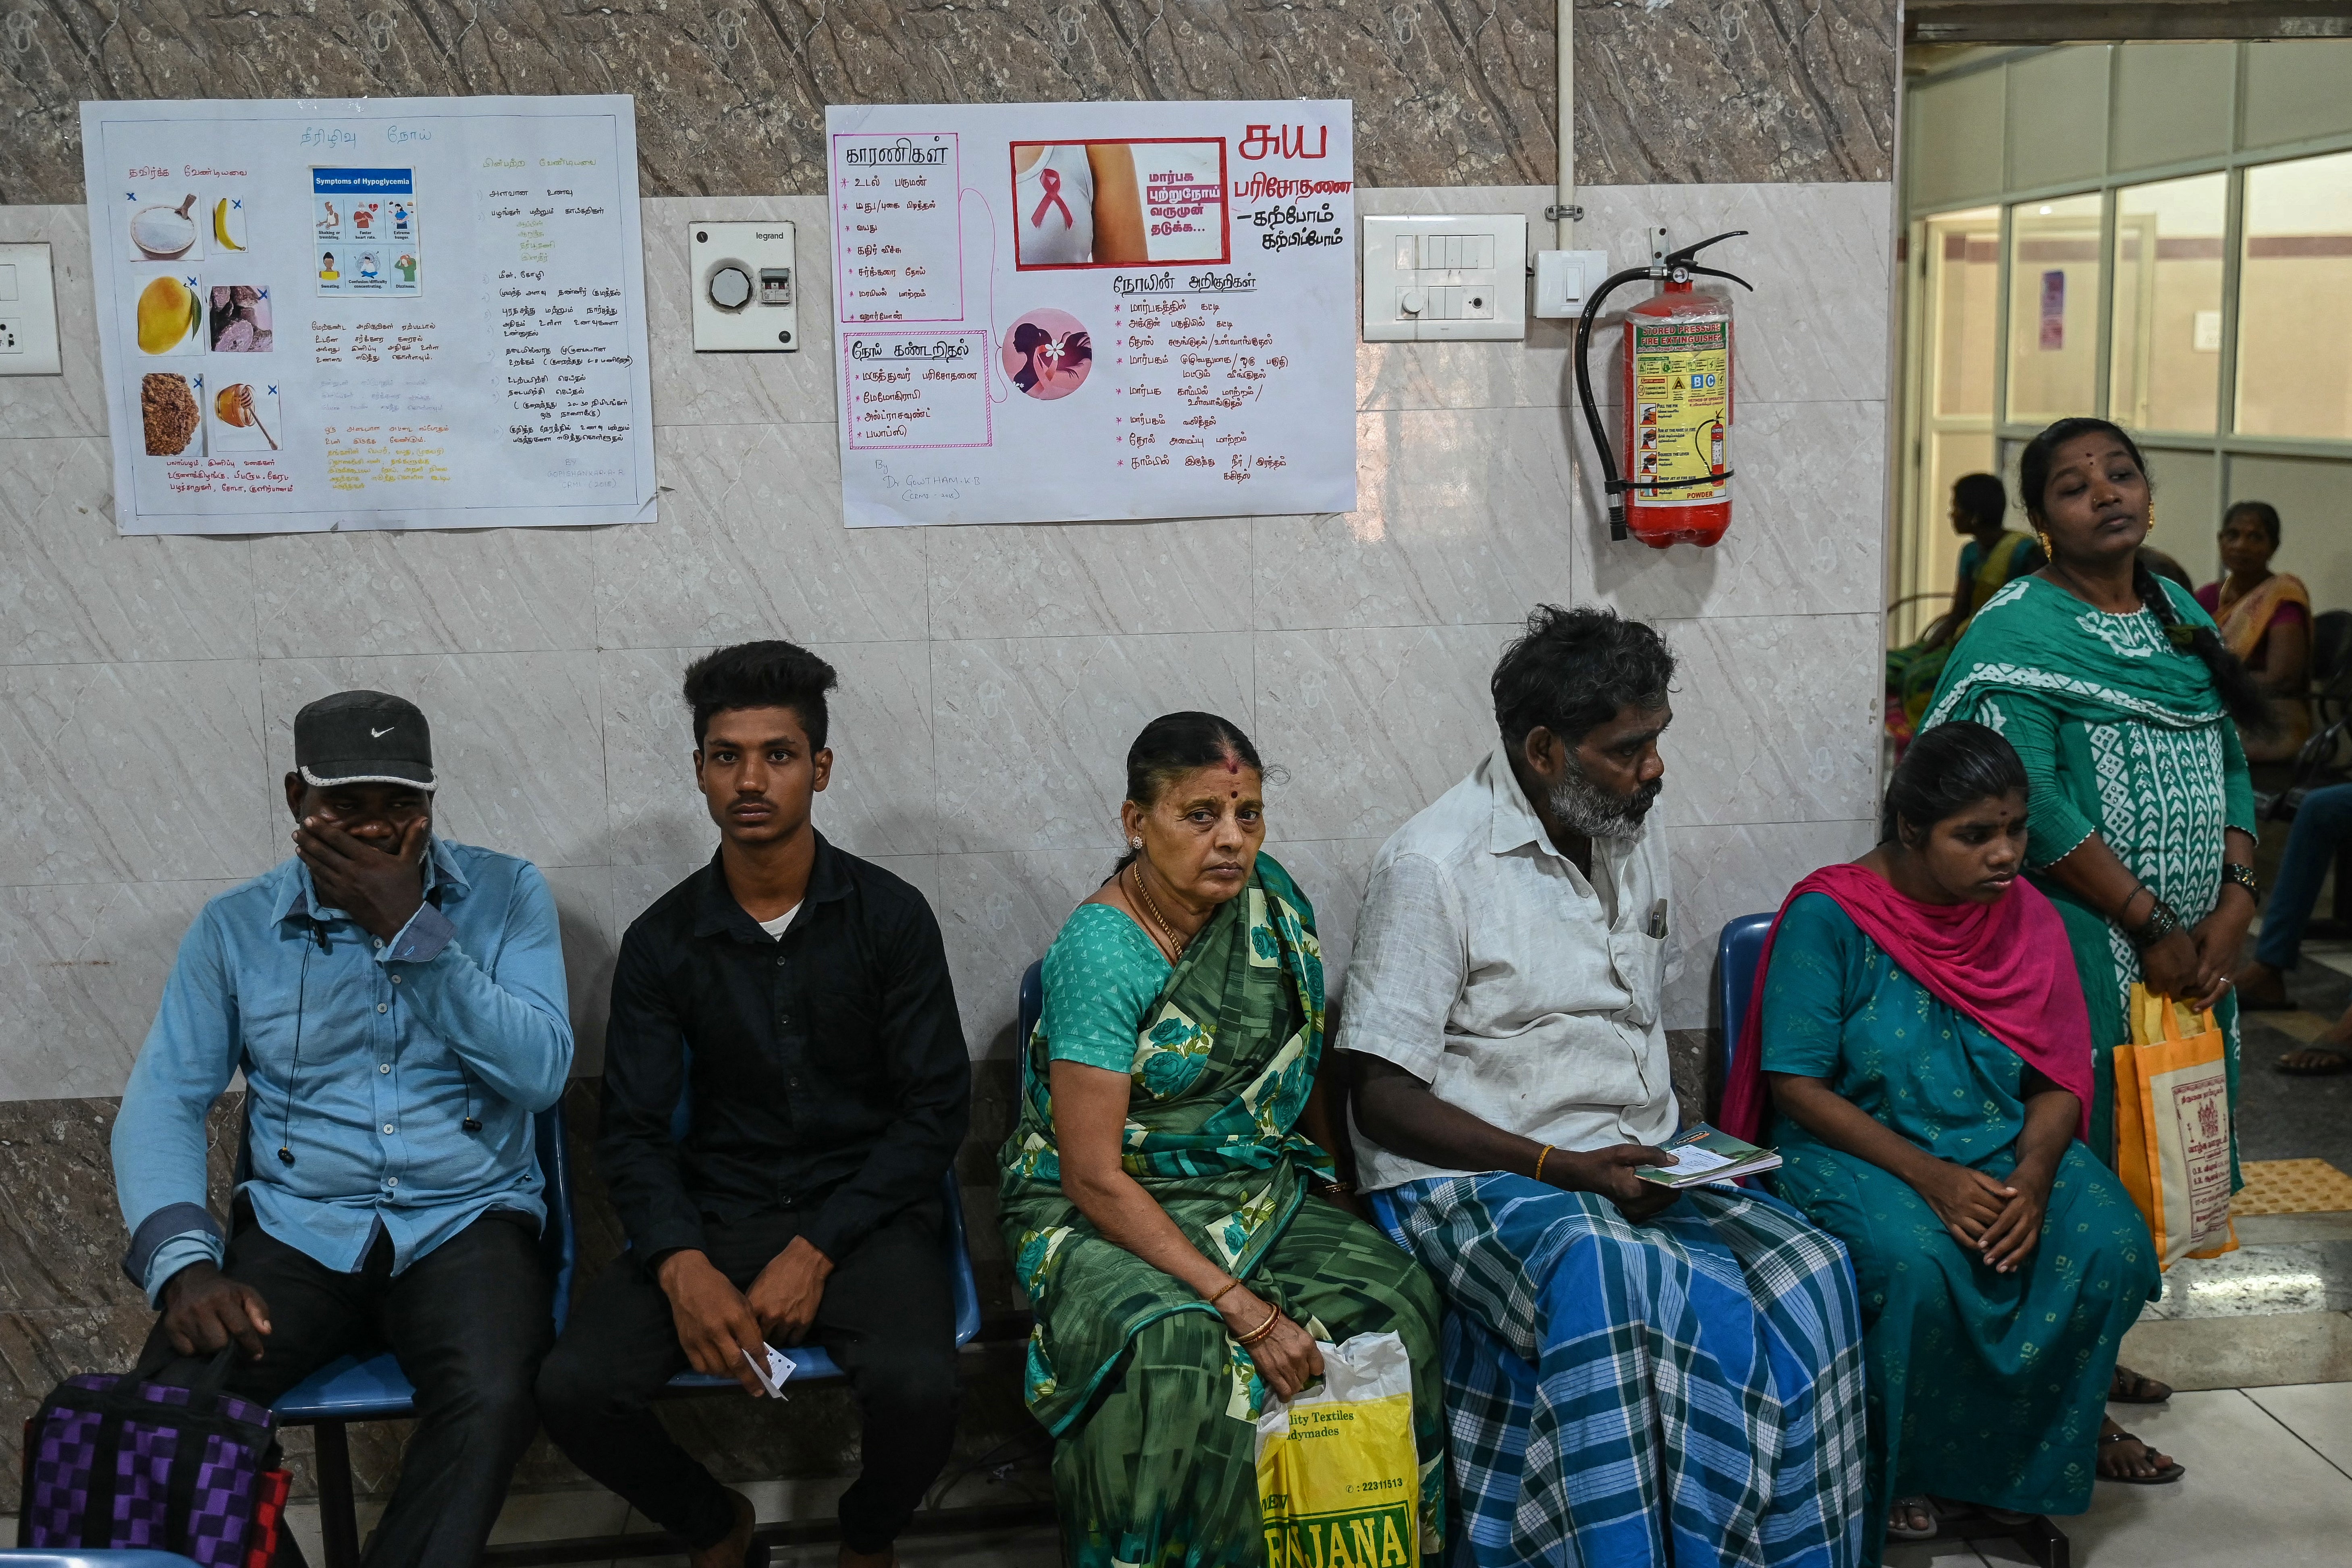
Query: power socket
x=28, y=312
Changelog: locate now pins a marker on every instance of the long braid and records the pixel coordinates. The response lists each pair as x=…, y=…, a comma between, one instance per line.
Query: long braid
x=2245, y=700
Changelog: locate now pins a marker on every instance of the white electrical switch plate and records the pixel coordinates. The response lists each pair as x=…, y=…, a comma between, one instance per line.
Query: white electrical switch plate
x=746, y=287
x=28, y=312
x=1430, y=278
x=1565, y=280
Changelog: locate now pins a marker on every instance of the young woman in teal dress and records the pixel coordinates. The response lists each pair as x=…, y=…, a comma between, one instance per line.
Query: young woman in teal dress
x=1158, y=1192
x=1920, y=1054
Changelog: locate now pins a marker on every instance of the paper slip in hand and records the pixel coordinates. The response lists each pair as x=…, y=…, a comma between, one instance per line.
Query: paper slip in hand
x=774, y=1375
x=1709, y=1155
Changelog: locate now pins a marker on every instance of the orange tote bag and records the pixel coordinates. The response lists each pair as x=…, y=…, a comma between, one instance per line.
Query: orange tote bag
x=2172, y=1127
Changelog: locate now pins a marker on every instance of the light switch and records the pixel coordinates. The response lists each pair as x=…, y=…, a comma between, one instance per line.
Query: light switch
x=1566, y=279
x=743, y=298
x=1429, y=278
x=28, y=312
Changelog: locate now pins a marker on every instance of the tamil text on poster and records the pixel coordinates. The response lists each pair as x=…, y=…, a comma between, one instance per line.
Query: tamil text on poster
x=1060, y=313
x=371, y=313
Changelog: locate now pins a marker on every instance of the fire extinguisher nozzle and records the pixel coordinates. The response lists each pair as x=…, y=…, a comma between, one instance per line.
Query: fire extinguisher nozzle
x=1617, y=521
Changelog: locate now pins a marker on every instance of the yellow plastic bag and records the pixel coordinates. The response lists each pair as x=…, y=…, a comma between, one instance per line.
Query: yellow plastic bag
x=1338, y=1476
x=2172, y=1127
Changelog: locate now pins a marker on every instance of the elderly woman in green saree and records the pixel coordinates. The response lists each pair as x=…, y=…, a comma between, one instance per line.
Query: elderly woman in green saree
x=2116, y=690
x=1160, y=1189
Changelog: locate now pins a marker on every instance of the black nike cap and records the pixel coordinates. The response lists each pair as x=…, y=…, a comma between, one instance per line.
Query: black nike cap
x=364, y=737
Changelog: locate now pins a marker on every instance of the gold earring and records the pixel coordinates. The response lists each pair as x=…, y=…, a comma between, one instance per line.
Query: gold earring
x=2044, y=538
x=2152, y=516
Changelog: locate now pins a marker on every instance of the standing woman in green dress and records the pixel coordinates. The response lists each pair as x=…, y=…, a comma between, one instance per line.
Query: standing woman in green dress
x=1158, y=1195
x=1921, y=1037
x=2116, y=690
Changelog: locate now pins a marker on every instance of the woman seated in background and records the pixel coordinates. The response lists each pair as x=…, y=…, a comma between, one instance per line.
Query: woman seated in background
x=2265, y=620
x=1993, y=554
x=1156, y=1196
x=1920, y=1053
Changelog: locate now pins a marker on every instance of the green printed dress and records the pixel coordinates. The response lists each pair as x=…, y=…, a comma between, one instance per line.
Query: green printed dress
x=1983, y=1386
x=1152, y=1402
x=2123, y=734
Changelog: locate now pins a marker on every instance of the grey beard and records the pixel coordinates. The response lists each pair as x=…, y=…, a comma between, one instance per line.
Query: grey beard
x=1600, y=813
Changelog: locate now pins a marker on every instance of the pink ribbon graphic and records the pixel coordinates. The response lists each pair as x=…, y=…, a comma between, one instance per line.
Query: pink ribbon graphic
x=1052, y=179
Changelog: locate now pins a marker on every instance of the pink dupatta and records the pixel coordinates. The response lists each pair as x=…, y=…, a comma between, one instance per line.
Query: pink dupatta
x=2006, y=964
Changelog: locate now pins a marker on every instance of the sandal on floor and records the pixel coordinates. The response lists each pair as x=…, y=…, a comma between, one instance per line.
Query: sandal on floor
x=2165, y=1477
x=1912, y=1505
x=2338, y=1062
x=2129, y=1387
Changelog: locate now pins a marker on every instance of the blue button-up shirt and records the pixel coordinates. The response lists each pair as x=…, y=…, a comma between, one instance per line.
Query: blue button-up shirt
x=462, y=1012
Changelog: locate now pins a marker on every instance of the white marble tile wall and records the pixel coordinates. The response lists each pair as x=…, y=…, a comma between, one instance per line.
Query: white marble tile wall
x=990, y=676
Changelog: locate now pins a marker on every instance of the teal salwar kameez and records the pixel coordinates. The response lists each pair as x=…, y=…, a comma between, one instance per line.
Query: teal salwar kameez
x=1983, y=1386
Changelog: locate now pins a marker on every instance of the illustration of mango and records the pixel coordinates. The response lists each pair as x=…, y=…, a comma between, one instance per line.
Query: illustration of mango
x=220, y=225
x=167, y=314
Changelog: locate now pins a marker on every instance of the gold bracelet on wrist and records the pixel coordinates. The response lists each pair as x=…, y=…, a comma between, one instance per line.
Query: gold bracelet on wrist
x=1541, y=1156
x=1231, y=1285
x=1273, y=1316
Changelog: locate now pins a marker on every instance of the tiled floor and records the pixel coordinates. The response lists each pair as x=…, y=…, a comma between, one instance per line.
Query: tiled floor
x=2269, y=1486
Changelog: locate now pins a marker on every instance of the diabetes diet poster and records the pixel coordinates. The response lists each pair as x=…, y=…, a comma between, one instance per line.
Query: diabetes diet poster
x=373, y=313
x=1059, y=312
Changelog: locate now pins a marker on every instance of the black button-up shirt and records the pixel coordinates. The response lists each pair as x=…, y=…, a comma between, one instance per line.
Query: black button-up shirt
x=825, y=1068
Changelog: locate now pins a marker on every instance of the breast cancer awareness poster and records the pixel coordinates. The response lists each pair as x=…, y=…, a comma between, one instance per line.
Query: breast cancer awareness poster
x=1069, y=312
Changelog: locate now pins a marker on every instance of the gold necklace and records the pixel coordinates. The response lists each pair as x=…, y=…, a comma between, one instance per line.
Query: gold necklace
x=1175, y=944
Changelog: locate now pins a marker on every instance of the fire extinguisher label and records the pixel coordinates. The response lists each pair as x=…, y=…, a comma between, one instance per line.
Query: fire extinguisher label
x=1681, y=392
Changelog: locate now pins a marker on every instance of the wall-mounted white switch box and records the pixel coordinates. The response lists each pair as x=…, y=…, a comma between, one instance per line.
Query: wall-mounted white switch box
x=28, y=312
x=1430, y=278
x=1565, y=280
x=746, y=287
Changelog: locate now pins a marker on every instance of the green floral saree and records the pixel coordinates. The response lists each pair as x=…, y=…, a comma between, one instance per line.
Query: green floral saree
x=1151, y=1401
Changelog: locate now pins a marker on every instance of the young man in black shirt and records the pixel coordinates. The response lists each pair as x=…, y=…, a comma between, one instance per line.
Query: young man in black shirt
x=798, y=998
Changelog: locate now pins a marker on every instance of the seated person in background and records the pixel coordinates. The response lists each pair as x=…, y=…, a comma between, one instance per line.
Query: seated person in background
x=2265, y=620
x=1993, y=554
x=397, y=1003
x=830, y=1090
x=2321, y=824
x=1633, y=1375
x=1928, y=1054
x=1156, y=1193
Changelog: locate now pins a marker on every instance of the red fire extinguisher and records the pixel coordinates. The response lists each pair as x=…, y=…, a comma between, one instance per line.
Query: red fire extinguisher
x=1676, y=472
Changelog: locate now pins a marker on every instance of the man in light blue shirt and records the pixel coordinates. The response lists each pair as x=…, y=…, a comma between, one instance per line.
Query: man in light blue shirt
x=397, y=1003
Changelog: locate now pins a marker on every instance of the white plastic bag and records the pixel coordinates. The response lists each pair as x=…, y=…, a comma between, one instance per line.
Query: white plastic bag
x=1338, y=1476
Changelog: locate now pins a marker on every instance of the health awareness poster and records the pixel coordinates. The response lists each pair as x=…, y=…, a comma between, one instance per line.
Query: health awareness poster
x=371, y=313
x=1075, y=311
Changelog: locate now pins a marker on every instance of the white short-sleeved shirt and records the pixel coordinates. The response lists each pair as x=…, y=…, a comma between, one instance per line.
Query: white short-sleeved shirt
x=1487, y=965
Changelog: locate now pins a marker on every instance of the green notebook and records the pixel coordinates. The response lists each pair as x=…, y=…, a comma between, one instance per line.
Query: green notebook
x=1705, y=1154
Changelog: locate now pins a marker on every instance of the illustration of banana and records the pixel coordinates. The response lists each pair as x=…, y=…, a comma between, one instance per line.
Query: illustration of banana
x=220, y=225
x=167, y=314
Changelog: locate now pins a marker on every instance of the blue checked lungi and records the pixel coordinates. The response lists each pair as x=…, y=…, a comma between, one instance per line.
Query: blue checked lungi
x=1684, y=1392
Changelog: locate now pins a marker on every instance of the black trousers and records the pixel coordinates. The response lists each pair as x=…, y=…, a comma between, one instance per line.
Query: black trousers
x=469, y=1322
x=887, y=1320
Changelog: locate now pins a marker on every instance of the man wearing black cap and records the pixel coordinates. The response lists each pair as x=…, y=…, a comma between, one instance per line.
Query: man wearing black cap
x=397, y=1003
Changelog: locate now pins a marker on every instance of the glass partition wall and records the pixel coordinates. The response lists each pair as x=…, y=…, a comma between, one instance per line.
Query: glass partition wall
x=2161, y=233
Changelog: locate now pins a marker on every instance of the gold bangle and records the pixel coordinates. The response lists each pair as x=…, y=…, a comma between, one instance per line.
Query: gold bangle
x=1541, y=1156
x=1231, y=1285
x=1263, y=1329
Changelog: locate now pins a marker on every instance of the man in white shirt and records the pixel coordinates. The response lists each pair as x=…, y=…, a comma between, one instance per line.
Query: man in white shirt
x=1667, y=1378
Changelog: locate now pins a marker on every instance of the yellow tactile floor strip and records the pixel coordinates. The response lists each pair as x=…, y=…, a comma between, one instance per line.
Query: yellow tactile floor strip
x=2293, y=1186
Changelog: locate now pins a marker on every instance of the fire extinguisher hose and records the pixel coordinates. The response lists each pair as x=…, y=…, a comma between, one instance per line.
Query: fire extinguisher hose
x=1679, y=266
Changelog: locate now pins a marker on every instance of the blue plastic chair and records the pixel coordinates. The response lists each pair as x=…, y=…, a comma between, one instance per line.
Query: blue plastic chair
x=809, y=1363
x=350, y=1389
x=1737, y=953
x=1032, y=1007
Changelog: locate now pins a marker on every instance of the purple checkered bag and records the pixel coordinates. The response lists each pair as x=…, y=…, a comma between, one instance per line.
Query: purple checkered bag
x=125, y=1463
